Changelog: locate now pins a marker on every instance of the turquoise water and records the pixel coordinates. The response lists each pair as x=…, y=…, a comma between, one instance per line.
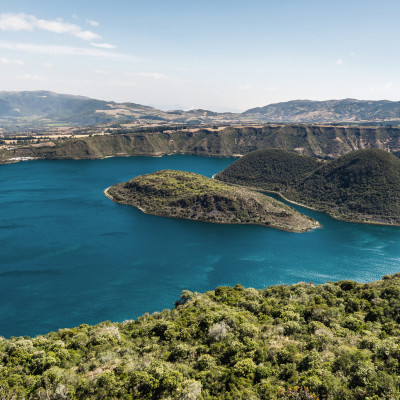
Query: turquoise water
x=69, y=255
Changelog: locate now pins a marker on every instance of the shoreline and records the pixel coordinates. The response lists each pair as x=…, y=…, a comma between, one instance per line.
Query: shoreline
x=314, y=209
x=107, y=194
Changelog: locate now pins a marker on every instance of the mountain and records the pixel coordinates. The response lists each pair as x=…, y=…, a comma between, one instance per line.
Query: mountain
x=362, y=186
x=330, y=111
x=43, y=109
x=179, y=194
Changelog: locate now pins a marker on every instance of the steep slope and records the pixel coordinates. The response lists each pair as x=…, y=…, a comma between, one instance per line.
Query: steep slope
x=324, y=142
x=281, y=168
x=179, y=194
x=361, y=186
x=346, y=110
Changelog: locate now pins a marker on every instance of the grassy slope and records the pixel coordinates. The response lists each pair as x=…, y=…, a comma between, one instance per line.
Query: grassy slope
x=361, y=186
x=187, y=195
x=341, y=340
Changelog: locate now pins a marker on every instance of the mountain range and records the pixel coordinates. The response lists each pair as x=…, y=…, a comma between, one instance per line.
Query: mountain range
x=25, y=110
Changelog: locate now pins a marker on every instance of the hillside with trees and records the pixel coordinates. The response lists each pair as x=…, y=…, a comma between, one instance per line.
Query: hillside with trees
x=362, y=186
x=180, y=194
x=336, y=341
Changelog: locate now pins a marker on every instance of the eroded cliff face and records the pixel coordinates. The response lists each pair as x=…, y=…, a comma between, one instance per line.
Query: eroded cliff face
x=320, y=141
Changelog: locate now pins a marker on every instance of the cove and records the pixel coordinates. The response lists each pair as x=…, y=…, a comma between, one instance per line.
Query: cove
x=69, y=255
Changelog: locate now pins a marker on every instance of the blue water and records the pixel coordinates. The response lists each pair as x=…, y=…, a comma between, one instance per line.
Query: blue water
x=69, y=255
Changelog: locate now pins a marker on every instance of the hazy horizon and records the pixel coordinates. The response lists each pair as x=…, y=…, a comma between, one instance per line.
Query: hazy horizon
x=223, y=56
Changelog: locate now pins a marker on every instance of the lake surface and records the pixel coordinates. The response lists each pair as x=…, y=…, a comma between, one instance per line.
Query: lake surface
x=69, y=255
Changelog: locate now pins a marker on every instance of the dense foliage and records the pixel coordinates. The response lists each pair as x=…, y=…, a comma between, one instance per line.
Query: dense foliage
x=332, y=341
x=270, y=169
x=181, y=194
x=363, y=185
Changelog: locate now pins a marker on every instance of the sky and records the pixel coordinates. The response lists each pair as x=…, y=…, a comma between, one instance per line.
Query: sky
x=218, y=55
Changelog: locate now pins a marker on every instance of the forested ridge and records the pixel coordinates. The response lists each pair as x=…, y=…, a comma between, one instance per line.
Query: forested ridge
x=362, y=186
x=304, y=341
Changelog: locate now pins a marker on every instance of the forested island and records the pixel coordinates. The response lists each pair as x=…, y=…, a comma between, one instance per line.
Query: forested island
x=361, y=186
x=336, y=341
x=180, y=194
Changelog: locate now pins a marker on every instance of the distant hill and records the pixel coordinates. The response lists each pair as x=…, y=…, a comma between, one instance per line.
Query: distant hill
x=361, y=186
x=179, y=194
x=40, y=109
x=43, y=108
x=347, y=110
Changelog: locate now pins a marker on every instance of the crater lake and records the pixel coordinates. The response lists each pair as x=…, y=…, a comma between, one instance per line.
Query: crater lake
x=69, y=255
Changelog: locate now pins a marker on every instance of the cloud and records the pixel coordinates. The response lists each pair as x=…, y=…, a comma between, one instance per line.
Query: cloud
x=32, y=77
x=103, y=45
x=245, y=87
x=339, y=61
x=64, y=50
x=24, y=22
x=148, y=75
x=7, y=61
x=388, y=86
x=92, y=23
x=102, y=71
x=48, y=64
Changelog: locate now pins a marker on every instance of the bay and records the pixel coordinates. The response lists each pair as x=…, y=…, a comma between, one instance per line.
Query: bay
x=69, y=255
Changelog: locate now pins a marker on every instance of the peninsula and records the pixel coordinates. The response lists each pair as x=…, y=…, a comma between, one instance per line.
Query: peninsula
x=361, y=186
x=186, y=195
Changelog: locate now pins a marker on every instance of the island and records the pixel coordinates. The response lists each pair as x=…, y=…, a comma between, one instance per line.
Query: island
x=179, y=194
x=361, y=186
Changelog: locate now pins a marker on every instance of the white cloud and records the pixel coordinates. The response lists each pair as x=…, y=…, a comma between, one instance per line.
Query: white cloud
x=102, y=71
x=48, y=64
x=339, y=61
x=352, y=54
x=245, y=87
x=103, y=45
x=152, y=75
x=148, y=75
x=388, y=86
x=63, y=50
x=7, y=61
x=92, y=23
x=24, y=22
x=32, y=77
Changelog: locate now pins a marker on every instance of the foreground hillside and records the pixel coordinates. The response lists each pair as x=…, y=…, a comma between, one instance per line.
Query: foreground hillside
x=335, y=341
x=324, y=142
x=186, y=195
x=361, y=186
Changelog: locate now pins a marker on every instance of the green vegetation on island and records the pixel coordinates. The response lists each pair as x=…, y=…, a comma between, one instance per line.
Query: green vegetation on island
x=335, y=341
x=179, y=194
x=362, y=186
